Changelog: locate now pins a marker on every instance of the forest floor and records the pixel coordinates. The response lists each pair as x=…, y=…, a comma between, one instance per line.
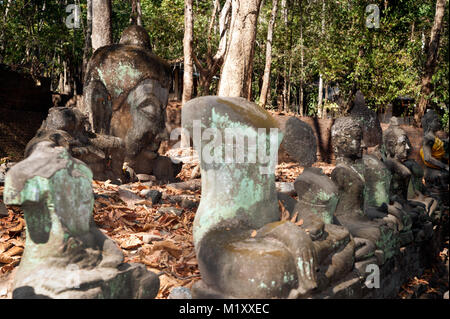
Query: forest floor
x=162, y=239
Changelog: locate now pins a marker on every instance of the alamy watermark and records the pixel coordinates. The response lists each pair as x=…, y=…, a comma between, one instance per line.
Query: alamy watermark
x=232, y=145
x=373, y=19
x=373, y=278
x=73, y=20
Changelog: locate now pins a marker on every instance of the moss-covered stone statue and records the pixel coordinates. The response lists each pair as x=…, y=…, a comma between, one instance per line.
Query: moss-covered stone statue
x=317, y=202
x=65, y=255
x=370, y=228
x=125, y=95
x=243, y=249
x=406, y=188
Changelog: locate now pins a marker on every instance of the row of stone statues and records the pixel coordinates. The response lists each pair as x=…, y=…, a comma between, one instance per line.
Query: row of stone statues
x=361, y=215
x=370, y=207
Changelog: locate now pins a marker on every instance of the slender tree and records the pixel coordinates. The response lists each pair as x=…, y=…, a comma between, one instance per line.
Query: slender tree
x=101, y=23
x=268, y=65
x=430, y=65
x=188, y=76
x=240, y=53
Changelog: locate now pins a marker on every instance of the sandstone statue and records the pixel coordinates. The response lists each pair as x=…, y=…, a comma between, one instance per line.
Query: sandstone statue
x=243, y=249
x=370, y=228
x=65, y=255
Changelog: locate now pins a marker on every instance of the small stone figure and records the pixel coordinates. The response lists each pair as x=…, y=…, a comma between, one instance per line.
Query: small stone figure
x=370, y=233
x=65, y=255
x=125, y=95
x=70, y=128
x=317, y=201
x=368, y=120
x=434, y=153
x=243, y=249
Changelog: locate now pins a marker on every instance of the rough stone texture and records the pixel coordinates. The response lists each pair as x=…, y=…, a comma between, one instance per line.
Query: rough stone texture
x=3, y=210
x=152, y=194
x=125, y=95
x=243, y=250
x=372, y=133
x=286, y=188
x=65, y=255
x=180, y=293
x=373, y=232
x=299, y=141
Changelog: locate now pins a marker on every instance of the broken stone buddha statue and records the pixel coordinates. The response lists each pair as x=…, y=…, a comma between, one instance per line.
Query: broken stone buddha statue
x=370, y=229
x=243, y=248
x=434, y=153
x=125, y=95
x=65, y=255
x=405, y=172
x=317, y=201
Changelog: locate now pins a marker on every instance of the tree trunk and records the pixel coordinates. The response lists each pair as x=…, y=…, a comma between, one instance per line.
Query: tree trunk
x=302, y=59
x=320, y=97
x=213, y=63
x=239, y=57
x=136, y=12
x=101, y=23
x=87, y=40
x=432, y=53
x=267, y=67
x=188, y=77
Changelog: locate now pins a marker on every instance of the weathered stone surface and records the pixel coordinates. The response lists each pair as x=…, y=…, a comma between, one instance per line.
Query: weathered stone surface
x=193, y=185
x=368, y=120
x=64, y=251
x=125, y=95
x=286, y=188
x=146, y=178
x=238, y=198
x=171, y=210
x=152, y=194
x=3, y=210
x=349, y=178
x=300, y=142
x=180, y=293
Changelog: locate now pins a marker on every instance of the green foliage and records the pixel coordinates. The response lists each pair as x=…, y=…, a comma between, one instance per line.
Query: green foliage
x=383, y=63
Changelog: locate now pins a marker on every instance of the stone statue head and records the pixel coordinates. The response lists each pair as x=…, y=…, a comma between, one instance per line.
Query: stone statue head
x=137, y=36
x=430, y=122
x=346, y=137
x=396, y=143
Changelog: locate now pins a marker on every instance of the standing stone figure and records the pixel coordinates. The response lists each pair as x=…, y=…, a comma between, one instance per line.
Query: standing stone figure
x=434, y=153
x=242, y=247
x=65, y=255
x=125, y=95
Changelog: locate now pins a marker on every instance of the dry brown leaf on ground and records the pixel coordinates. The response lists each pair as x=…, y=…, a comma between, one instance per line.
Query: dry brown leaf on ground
x=14, y=251
x=169, y=246
x=284, y=211
x=5, y=246
x=5, y=259
x=17, y=228
x=131, y=242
